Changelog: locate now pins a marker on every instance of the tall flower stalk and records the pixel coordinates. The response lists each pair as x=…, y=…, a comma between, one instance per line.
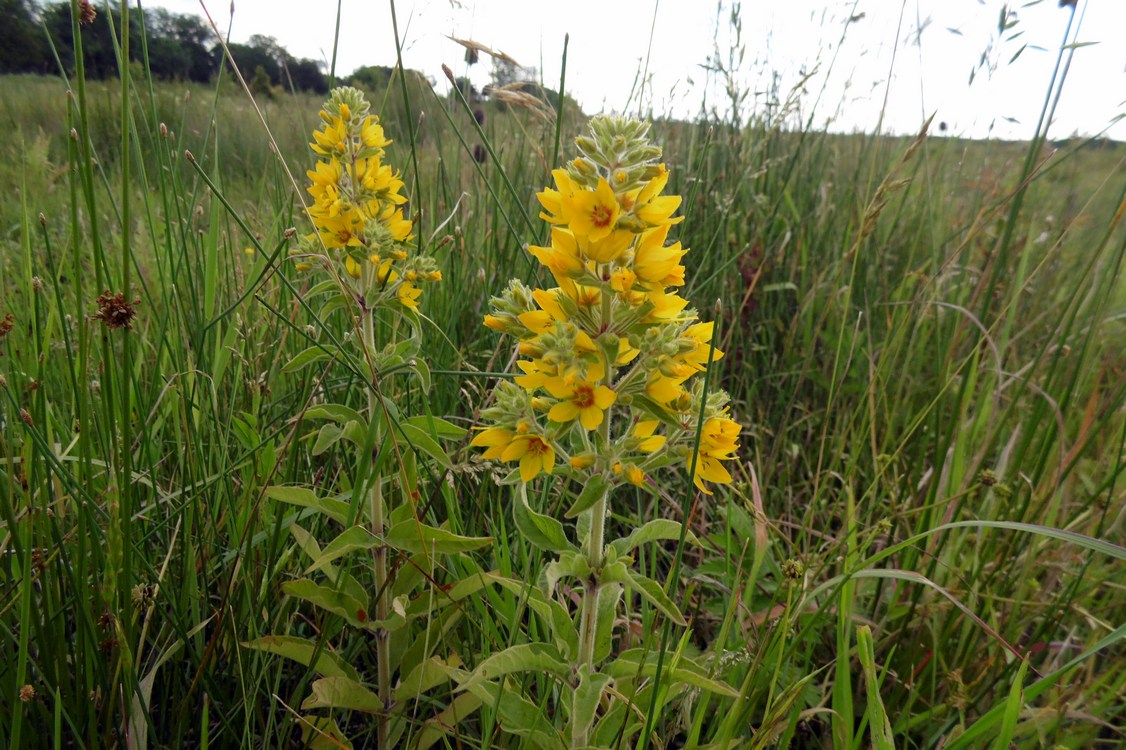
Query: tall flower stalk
x=608, y=392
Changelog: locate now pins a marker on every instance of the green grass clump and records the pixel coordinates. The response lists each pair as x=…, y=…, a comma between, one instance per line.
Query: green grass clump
x=924, y=345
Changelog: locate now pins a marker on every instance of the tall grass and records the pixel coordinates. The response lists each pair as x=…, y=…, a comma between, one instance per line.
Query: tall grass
x=924, y=344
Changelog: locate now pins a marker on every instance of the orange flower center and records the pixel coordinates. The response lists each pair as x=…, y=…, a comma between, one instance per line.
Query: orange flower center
x=600, y=216
x=537, y=447
x=584, y=396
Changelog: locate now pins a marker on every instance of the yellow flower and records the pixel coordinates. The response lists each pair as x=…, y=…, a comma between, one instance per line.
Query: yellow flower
x=585, y=400
x=561, y=257
x=371, y=134
x=647, y=441
x=494, y=440
x=582, y=461
x=333, y=139
x=718, y=442
x=606, y=248
x=593, y=213
x=653, y=208
x=409, y=294
x=698, y=357
x=653, y=262
x=555, y=210
x=533, y=453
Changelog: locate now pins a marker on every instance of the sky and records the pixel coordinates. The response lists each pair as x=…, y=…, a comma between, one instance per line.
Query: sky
x=832, y=63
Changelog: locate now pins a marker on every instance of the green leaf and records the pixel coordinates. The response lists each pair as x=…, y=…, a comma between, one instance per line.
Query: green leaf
x=649, y=589
x=329, y=599
x=416, y=537
x=437, y=427
x=879, y=726
x=1013, y=706
x=301, y=650
x=423, y=371
x=585, y=704
x=342, y=692
x=594, y=491
x=430, y=673
x=562, y=626
x=541, y=531
x=520, y=716
x=321, y=733
x=524, y=657
x=355, y=538
x=452, y=717
x=609, y=595
x=309, y=356
x=421, y=441
x=657, y=529
x=327, y=437
x=677, y=669
x=336, y=412
x=304, y=497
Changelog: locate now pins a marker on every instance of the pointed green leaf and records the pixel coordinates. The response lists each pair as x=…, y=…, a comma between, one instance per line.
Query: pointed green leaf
x=416, y=537
x=301, y=650
x=593, y=491
x=659, y=529
x=321, y=733
x=520, y=716
x=587, y=695
x=309, y=356
x=430, y=673
x=541, y=531
x=336, y=412
x=678, y=668
x=438, y=427
x=656, y=595
x=878, y=723
x=419, y=439
x=342, y=692
x=458, y=710
x=327, y=437
x=337, y=510
x=524, y=657
x=329, y=599
x=350, y=540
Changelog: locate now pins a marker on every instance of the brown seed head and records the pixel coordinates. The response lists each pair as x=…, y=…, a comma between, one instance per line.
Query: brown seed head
x=115, y=311
x=27, y=694
x=7, y=323
x=86, y=12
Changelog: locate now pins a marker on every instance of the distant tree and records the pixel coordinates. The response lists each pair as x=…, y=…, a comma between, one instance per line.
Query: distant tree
x=99, y=55
x=249, y=58
x=21, y=41
x=371, y=77
x=307, y=75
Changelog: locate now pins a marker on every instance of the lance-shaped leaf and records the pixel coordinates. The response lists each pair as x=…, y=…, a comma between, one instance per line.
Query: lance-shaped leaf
x=437, y=427
x=637, y=662
x=878, y=723
x=562, y=626
x=416, y=537
x=430, y=673
x=585, y=704
x=593, y=491
x=342, y=692
x=524, y=657
x=329, y=599
x=308, y=356
x=336, y=412
x=541, y=531
x=520, y=716
x=648, y=588
x=321, y=733
x=304, y=497
x=459, y=709
x=659, y=529
x=350, y=540
x=304, y=651
x=421, y=441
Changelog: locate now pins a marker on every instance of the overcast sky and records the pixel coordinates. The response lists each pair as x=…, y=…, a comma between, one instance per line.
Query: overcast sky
x=917, y=55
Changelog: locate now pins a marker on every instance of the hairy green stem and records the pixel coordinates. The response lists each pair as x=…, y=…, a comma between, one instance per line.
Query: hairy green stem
x=383, y=662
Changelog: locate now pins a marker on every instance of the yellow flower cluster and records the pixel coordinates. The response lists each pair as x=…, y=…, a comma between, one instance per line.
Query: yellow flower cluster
x=357, y=206
x=613, y=338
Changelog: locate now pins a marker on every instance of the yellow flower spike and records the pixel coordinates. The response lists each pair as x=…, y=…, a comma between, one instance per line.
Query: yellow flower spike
x=533, y=453
x=593, y=213
x=634, y=475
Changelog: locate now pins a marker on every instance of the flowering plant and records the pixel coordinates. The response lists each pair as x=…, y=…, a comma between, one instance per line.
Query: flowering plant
x=608, y=393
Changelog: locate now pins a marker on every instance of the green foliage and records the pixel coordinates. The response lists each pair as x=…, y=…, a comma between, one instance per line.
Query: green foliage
x=942, y=361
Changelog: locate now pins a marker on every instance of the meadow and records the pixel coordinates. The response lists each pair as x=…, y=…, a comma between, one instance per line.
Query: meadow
x=924, y=346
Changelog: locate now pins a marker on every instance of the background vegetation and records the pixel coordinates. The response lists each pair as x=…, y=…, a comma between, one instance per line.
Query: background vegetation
x=924, y=346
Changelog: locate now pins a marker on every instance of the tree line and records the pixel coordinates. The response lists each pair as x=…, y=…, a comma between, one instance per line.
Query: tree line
x=38, y=38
